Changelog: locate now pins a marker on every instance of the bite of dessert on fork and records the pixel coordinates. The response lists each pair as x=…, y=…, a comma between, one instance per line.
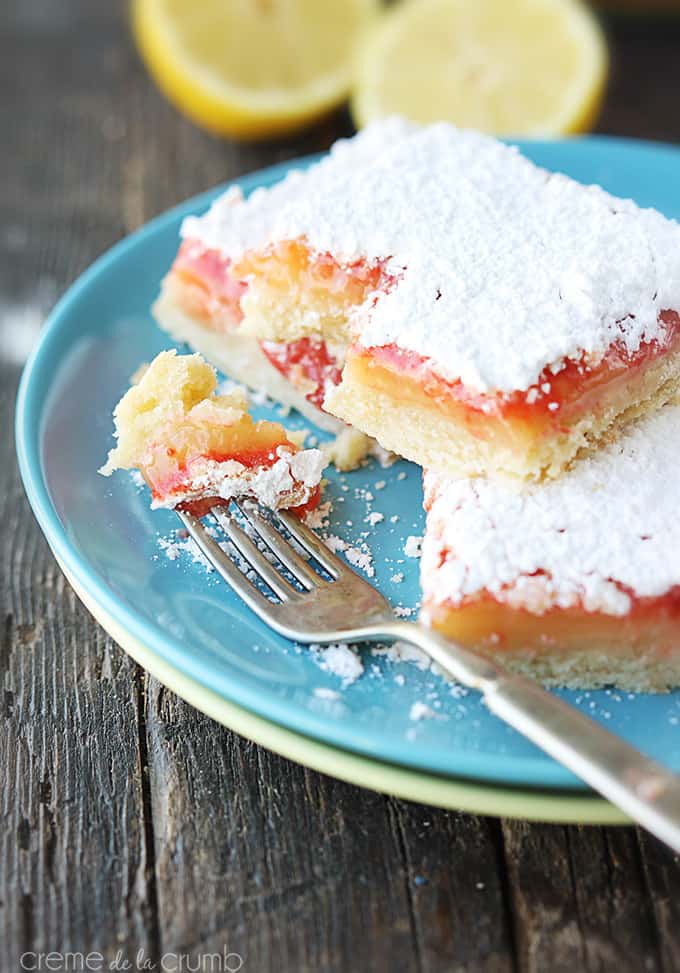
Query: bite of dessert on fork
x=197, y=449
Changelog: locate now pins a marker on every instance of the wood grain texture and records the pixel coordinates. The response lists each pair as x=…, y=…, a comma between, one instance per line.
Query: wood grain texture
x=302, y=873
x=579, y=899
x=73, y=855
x=129, y=821
x=644, y=80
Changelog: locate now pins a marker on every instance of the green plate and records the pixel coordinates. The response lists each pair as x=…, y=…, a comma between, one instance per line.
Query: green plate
x=445, y=792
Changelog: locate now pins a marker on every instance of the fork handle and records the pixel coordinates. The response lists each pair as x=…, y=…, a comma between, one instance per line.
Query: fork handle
x=647, y=792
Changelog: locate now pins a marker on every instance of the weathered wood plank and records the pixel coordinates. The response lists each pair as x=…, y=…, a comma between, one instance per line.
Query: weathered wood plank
x=580, y=900
x=290, y=869
x=643, y=88
x=610, y=899
x=73, y=865
x=541, y=890
x=73, y=869
x=661, y=871
x=456, y=882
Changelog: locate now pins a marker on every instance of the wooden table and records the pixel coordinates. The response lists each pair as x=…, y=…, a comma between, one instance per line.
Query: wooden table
x=130, y=821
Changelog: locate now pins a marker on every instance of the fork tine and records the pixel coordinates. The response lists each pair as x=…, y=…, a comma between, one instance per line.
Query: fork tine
x=297, y=565
x=255, y=558
x=311, y=543
x=225, y=566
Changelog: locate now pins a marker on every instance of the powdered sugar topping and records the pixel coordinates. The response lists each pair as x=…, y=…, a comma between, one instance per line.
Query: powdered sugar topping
x=503, y=268
x=287, y=482
x=606, y=528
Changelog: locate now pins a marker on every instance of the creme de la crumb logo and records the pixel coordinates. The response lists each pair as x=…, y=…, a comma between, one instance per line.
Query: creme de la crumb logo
x=95, y=962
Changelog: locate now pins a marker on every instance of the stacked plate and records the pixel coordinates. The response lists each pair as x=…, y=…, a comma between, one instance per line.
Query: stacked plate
x=140, y=580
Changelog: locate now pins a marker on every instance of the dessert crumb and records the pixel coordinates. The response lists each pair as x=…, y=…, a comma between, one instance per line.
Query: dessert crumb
x=321, y=692
x=318, y=517
x=340, y=660
x=403, y=652
x=362, y=559
x=420, y=711
x=413, y=546
x=137, y=479
x=347, y=450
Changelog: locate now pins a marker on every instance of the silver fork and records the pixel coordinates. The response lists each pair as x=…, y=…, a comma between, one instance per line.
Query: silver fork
x=334, y=604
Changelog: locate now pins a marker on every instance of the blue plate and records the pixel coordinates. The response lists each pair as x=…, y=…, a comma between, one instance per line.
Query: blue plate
x=115, y=548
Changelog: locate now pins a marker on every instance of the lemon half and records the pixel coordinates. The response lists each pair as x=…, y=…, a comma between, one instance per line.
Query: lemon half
x=509, y=67
x=251, y=68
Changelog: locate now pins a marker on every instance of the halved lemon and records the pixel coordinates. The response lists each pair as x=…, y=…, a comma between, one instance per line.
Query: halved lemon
x=251, y=68
x=509, y=67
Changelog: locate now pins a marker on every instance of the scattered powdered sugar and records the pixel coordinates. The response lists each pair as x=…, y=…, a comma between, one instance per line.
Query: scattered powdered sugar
x=490, y=249
x=359, y=556
x=335, y=543
x=174, y=547
x=458, y=691
x=403, y=652
x=606, y=528
x=318, y=518
x=413, y=546
x=171, y=549
x=374, y=518
x=362, y=559
x=340, y=660
x=321, y=692
x=137, y=479
x=421, y=711
x=179, y=542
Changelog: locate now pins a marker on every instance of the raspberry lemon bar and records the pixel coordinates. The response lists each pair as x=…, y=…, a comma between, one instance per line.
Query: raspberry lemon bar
x=196, y=449
x=262, y=305
x=435, y=289
x=575, y=581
